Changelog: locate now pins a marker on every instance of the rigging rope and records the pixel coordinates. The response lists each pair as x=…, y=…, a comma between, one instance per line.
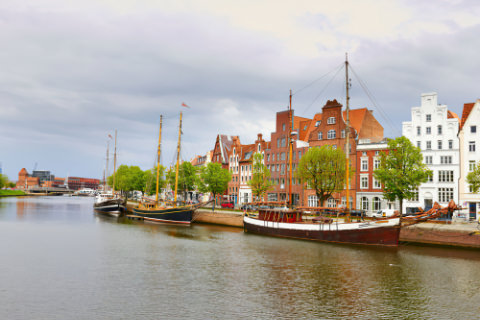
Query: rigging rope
x=373, y=100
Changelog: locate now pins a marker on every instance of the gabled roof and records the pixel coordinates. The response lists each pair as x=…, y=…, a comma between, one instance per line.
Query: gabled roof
x=452, y=115
x=246, y=152
x=311, y=126
x=467, y=108
x=356, y=117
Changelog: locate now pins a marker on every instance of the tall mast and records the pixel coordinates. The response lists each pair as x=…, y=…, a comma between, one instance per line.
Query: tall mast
x=178, y=160
x=114, y=160
x=290, y=146
x=158, y=159
x=347, y=142
x=105, y=174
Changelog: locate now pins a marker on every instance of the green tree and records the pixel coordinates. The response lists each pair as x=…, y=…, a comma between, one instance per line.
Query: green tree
x=401, y=171
x=3, y=181
x=214, y=179
x=149, y=185
x=187, y=178
x=128, y=178
x=260, y=182
x=324, y=170
x=473, y=178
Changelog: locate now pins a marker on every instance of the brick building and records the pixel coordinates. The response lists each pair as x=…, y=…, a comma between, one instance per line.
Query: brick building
x=25, y=181
x=76, y=183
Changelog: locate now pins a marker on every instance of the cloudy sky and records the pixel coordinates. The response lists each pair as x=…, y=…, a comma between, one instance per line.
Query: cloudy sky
x=73, y=71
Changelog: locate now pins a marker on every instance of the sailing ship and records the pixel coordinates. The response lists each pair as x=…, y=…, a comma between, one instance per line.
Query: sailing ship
x=109, y=202
x=154, y=210
x=291, y=223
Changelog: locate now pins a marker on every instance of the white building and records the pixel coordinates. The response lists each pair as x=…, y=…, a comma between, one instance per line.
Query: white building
x=469, y=138
x=434, y=129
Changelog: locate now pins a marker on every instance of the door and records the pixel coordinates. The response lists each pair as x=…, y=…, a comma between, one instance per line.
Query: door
x=472, y=209
x=428, y=204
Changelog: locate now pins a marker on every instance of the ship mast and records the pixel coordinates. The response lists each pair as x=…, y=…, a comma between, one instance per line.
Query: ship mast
x=158, y=159
x=114, y=161
x=105, y=174
x=347, y=141
x=290, y=145
x=178, y=160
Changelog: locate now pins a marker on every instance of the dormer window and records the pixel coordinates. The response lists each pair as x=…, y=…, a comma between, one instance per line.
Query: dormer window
x=305, y=127
x=317, y=123
x=331, y=120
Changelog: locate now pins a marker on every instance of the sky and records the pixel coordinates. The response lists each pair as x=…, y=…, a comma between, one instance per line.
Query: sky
x=72, y=72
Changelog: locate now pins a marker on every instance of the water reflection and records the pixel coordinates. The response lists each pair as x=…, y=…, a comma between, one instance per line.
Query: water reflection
x=122, y=268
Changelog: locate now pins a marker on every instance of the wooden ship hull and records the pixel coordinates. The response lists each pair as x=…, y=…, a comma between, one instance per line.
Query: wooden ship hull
x=112, y=206
x=382, y=232
x=181, y=215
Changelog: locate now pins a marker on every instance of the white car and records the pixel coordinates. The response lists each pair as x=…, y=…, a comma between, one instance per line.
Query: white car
x=383, y=213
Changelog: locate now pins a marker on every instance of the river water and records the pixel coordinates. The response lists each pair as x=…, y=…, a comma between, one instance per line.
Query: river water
x=60, y=260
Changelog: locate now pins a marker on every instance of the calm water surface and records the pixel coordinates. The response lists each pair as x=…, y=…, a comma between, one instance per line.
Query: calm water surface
x=60, y=260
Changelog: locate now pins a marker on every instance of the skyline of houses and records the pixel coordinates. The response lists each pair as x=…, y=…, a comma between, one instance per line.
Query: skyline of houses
x=447, y=142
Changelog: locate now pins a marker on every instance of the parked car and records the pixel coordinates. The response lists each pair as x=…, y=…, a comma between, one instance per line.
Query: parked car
x=227, y=205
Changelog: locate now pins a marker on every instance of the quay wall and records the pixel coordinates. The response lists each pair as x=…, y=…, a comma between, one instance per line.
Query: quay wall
x=224, y=218
x=455, y=235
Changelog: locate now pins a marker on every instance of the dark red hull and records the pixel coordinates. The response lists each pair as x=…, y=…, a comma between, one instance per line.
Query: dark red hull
x=384, y=236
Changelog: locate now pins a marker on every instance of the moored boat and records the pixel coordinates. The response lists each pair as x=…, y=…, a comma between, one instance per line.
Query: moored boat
x=109, y=203
x=163, y=213
x=291, y=224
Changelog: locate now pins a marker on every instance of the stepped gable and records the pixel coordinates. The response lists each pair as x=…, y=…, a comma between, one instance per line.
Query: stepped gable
x=467, y=108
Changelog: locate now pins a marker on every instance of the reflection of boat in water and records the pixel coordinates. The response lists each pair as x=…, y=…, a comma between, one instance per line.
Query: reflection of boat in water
x=153, y=210
x=291, y=224
x=109, y=201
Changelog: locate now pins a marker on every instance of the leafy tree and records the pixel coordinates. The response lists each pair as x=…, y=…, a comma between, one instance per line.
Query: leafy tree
x=324, y=170
x=3, y=180
x=128, y=178
x=150, y=180
x=473, y=178
x=214, y=179
x=260, y=182
x=187, y=178
x=401, y=171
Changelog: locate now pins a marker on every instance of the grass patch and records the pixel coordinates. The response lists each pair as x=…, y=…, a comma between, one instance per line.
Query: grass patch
x=5, y=193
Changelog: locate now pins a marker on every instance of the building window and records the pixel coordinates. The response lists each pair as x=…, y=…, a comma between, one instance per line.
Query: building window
x=446, y=159
x=419, y=131
x=365, y=203
x=428, y=117
x=299, y=155
x=376, y=164
x=331, y=120
x=268, y=157
x=439, y=129
x=364, y=165
x=343, y=133
x=473, y=129
x=376, y=203
x=283, y=142
x=317, y=123
x=331, y=134
x=445, y=176
x=428, y=130
x=283, y=127
x=419, y=145
x=471, y=165
x=331, y=202
x=364, y=182
x=439, y=144
x=364, y=153
x=471, y=146
x=450, y=144
x=428, y=159
x=334, y=147
x=282, y=156
x=320, y=135
x=312, y=201
x=445, y=194
x=430, y=177
x=376, y=184
x=429, y=145
x=272, y=197
x=414, y=197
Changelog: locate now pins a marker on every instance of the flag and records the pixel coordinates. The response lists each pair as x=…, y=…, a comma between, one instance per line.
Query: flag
x=184, y=105
x=110, y=136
